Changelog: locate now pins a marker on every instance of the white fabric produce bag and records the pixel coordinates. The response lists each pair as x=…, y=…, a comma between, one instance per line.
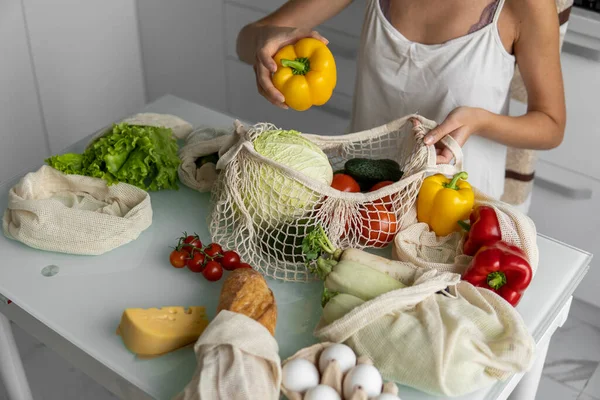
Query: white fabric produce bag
x=449, y=343
x=74, y=214
x=237, y=360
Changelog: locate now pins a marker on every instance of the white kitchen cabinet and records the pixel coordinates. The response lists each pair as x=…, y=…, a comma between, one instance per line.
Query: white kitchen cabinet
x=22, y=134
x=183, y=50
x=561, y=210
x=87, y=60
x=581, y=71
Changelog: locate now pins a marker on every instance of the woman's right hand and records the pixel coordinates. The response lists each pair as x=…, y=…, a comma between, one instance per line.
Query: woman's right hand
x=269, y=40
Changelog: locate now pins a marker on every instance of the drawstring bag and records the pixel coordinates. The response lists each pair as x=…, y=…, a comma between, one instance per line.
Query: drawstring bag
x=264, y=209
x=441, y=335
x=419, y=245
x=237, y=359
x=74, y=214
x=202, y=142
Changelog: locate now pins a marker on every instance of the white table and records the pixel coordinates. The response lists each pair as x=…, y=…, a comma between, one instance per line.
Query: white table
x=76, y=312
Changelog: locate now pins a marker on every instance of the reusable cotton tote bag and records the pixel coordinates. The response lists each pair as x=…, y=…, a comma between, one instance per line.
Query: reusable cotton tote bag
x=443, y=342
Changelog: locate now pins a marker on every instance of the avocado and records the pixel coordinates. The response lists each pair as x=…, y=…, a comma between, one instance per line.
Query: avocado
x=368, y=172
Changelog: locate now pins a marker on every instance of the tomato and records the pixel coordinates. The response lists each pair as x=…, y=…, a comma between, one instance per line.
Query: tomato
x=230, y=260
x=387, y=200
x=378, y=225
x=213, y=250
x=178, y=258
x=243, y=265
x=193, y=240
x=213, y=271
x=345, y=183
x=196, y=263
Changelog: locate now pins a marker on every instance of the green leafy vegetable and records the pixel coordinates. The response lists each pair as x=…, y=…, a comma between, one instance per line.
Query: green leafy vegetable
x=313, y=246
x=69, y=163
x=143, y=156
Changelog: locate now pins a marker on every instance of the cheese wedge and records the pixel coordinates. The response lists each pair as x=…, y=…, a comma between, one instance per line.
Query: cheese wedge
x=153, y=331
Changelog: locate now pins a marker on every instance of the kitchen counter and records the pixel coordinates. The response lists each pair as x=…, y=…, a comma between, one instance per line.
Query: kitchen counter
x=77, y=311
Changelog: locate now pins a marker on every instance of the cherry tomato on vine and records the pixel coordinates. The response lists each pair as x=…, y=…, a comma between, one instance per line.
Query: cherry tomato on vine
x=230, y=260
x=213, y=271
x=196, y=263
x=193, y=240
x=178, y=258
x=213, y=250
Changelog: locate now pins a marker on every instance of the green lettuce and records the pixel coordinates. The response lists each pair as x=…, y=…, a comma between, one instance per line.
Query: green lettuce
x=143, y=156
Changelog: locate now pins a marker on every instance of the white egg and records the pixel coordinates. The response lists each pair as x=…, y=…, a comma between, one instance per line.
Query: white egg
x=322, y=392
x=341, y=353
x=386, y=396
x=365, y=376
x=299, y=375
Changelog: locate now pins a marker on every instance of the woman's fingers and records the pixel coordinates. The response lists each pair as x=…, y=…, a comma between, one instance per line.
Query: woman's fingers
x=444, y=156
x=265, y=86
x=318, y=36
x=443, y=129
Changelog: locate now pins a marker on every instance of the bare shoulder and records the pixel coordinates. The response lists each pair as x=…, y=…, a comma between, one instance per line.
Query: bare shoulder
x=530, y=12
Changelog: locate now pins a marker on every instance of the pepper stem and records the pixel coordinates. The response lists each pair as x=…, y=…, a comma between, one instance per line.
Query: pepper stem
x=299, y=66
x=464, y=225
x=453, y=183
x=496, y=280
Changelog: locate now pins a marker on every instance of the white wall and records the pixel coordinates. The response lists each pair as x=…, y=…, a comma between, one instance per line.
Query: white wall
x=22, y=136
x=88, y=64
x=183, y=51
x=67, y=68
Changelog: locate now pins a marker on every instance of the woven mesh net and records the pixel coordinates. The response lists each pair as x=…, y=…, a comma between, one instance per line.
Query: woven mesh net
x=264, y=209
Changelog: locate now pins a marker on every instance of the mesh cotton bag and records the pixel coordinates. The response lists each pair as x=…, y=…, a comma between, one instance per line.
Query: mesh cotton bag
x=234, y=366
x=420, y=246
x=74, y=214
x=252, y=193
x=201, y=142
x=440, y=335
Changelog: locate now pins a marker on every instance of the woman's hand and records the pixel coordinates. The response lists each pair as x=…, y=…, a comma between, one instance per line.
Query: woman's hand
x=269, y=40
x=461, y=123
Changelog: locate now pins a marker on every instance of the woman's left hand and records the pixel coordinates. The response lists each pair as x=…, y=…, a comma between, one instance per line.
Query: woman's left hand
x=461, y=123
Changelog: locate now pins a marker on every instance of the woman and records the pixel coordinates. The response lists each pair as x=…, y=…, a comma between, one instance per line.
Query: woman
x=449, y=60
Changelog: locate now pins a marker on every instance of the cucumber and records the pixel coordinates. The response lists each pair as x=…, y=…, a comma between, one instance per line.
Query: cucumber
x=339, y=306
x=369, y=172
x=359, y=280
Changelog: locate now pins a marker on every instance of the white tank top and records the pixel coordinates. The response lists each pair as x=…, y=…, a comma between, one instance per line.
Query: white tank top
x=397, y=77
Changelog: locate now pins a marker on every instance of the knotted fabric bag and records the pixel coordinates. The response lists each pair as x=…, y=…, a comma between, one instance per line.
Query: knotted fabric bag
x=237, y=360
x=74, y=214
x=419, y=245
x=264, y=209
x=201, y=142
x=448, y=343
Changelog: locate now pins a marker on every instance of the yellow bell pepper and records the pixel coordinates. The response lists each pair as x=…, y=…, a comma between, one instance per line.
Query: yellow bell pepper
x=442, y=202
x=306, y=74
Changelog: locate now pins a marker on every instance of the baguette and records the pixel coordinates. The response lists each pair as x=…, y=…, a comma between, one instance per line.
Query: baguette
x=245, y=291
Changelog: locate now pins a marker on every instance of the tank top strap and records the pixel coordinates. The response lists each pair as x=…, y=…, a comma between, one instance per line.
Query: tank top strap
x=498, y=11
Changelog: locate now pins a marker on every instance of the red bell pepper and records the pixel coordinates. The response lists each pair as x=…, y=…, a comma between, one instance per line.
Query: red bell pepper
x=484, y=229
x=502, y=268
